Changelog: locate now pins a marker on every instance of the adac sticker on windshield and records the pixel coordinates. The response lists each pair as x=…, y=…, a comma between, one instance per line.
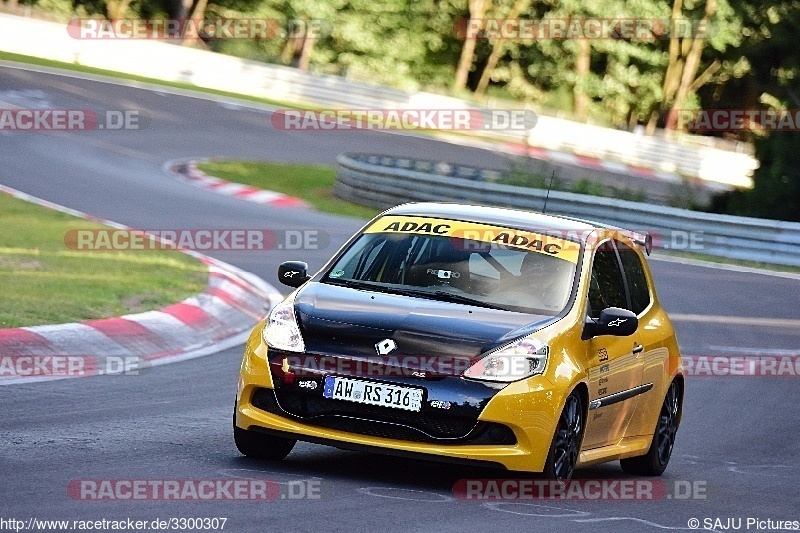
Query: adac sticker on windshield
x=495, y=236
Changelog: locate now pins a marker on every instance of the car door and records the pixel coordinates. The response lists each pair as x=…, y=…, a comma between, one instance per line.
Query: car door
x=614, y=363
x=649, y=338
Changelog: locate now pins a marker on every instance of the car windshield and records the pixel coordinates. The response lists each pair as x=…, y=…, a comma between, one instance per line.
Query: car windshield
x=486, y=272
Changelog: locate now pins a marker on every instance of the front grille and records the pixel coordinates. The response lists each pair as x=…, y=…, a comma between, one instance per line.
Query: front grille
x=379, y=421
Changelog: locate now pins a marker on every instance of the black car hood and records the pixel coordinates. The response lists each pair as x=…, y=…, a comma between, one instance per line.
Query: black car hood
x=340, y=321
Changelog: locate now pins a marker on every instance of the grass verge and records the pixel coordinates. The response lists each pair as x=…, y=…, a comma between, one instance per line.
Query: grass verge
x=312, y=183
x=43, y=282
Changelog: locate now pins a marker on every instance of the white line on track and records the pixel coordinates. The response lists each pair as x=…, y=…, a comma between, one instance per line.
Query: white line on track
x=406, y=494
x=737, y=320
x=281, y=478
x=572, y=515
x=633, y=519
x=724, y=266
x=536, y=510
x=754, y=351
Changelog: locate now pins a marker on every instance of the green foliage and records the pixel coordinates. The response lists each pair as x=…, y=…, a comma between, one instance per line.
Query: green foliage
x=768, y=77
x=776, y=193
x=313, y=183
x=586, y=186
x=522, y=175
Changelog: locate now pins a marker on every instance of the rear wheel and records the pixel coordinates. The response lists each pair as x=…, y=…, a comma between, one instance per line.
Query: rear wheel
x=655, y=461
x=566, y=445
x=259, y=445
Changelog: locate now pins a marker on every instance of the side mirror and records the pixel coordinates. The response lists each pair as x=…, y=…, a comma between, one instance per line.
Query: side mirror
x=293, y=273
x=612, y=321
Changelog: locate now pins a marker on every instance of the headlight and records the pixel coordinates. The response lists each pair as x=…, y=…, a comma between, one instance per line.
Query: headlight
x=518, y=360
x=281, y=330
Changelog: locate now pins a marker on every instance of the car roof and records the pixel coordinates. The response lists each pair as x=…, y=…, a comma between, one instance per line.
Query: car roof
x=495, y=215
x=515, y=218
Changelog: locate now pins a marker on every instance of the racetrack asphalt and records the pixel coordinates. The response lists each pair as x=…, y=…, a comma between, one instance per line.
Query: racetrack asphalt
x=738, y=438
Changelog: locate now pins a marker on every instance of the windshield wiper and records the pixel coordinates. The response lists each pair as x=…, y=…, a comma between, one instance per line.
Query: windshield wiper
x=447, y=296
x=457, y=298
x=365, y=285
x=402, y=291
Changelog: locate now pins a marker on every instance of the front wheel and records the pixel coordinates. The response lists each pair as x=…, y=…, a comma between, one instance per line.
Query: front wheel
x=260, y=446
x=566, y=445
x=655, y=461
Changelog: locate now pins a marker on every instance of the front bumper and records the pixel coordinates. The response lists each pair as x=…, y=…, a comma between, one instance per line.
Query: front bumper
x=511, y=427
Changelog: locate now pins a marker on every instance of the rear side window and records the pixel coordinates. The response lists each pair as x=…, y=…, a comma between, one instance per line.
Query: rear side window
x=634, y=275
x=606, y=288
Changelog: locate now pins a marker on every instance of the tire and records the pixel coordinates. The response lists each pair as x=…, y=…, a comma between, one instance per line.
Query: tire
x=565, y=447
x=260, y=446
x=655, y=461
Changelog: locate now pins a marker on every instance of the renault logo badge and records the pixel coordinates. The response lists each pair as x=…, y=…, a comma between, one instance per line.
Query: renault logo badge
x=385, y=346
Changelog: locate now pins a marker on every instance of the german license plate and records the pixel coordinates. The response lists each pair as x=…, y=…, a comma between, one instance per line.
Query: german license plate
x=372, y=393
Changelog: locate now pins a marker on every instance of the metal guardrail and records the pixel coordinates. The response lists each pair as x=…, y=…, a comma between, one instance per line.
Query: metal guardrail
x=383, y=182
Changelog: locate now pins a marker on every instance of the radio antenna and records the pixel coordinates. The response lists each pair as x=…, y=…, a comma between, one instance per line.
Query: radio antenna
x=547, y=197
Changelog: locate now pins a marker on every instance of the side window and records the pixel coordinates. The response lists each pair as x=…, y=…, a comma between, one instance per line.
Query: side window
x=357, y=263
x=634, y=275
x=606, y=288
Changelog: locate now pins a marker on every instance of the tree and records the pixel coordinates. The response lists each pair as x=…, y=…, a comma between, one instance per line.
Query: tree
x=498, y=47
x=477, y=11
x=116, y=9
x=612, y=76
x=717, y=25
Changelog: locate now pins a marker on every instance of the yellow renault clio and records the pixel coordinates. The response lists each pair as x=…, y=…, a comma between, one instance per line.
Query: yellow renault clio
x=477, y=334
